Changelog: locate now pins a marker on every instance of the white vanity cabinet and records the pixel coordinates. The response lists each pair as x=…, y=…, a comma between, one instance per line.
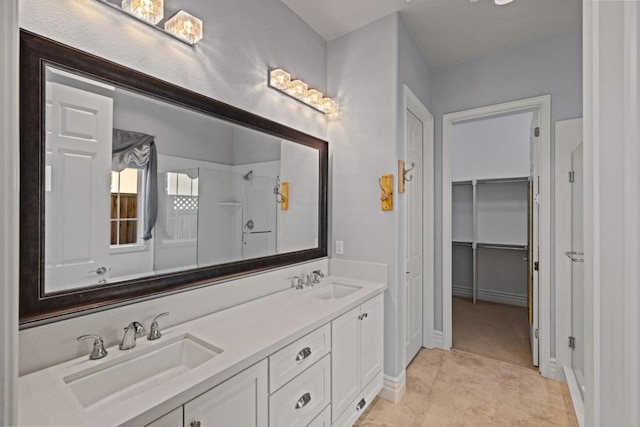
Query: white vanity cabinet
x=356, y=359
x=241, y=401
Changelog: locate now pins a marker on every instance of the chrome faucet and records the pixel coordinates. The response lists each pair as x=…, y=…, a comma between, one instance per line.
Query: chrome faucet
x=316, y=276
x=98, y=351
x=154, y=329
x=297, y=282
x=131, y=332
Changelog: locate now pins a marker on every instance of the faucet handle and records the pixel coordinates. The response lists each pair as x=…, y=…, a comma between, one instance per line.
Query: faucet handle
x=140, y=331
x=154, y=329
x=317, y=275
x=297, y=282
x=98, y=351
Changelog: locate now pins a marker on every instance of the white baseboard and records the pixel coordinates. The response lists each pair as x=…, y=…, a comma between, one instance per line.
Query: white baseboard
x=394, y=388
x=491, y=296
x=576, y=396
x=554, y=373
x=438, y=340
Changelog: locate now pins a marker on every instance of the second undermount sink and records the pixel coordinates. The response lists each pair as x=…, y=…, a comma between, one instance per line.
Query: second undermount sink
x=140, y=370
x=334, y=291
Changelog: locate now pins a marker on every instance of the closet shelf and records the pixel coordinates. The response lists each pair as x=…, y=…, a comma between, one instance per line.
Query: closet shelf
x=229, y=203
x=503, y=180
x=502, y=246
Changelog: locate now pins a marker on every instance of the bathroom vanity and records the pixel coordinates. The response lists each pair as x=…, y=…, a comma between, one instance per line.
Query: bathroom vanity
x=310, y=357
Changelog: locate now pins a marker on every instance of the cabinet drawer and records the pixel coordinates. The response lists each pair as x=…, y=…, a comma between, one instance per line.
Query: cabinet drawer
x=301, y=400
x=322, y=420
x=172, y=419
x=287, y=363
x=360, y=403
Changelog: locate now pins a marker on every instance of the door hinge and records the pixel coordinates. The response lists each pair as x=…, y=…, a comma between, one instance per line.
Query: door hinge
x=536, y=132
x=572, y=343
x=535, y=334
x=536, y=266
x=572, y=177
x=536, y=199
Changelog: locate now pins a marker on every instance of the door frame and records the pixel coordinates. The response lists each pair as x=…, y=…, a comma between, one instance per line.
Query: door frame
x=9, y=213
x=562, y=243
x=412, y=103
x=543, y=106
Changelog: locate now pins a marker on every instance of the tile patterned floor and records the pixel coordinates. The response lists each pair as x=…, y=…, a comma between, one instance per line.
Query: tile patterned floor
x=498, y=331
x=461, y=389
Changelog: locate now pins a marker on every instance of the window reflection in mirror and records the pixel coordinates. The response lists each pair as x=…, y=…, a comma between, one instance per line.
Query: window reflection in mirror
x=137, y=187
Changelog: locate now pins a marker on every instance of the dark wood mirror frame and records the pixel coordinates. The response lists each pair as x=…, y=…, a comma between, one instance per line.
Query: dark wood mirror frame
x=35, y=306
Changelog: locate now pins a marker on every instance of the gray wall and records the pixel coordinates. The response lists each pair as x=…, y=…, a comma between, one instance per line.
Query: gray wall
x=242, y=39
x=549, y=66
x=366, y=70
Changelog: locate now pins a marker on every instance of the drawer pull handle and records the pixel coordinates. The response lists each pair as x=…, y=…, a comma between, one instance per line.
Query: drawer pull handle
x=302, y=402
x=361, y=404
x=196, y=423
x=304, y=353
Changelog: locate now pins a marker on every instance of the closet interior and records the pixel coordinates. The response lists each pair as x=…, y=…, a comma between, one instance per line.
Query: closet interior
x=492, y=231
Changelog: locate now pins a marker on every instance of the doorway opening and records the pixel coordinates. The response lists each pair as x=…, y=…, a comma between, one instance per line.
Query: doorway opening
x=492, y=225
x=495, y=231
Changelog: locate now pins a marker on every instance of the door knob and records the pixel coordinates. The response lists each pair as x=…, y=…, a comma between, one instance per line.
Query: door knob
x=100, y=271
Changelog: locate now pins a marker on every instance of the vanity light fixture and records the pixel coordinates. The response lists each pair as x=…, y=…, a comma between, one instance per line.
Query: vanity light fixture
x=181, y=26
x=299, y=90
x=151, y=11
x=185, y=26
x=502, y=2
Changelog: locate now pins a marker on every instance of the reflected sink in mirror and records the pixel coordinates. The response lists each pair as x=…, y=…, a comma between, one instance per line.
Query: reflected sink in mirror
x=139, y=371
x=334, y=291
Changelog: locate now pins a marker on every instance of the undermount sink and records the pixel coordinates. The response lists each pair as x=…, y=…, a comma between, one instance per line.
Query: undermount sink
x=334, y=291
x=140, y=370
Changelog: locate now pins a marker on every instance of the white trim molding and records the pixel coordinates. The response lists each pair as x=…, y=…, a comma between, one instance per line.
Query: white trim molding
x=394, y=388
x=437, y=341
x=576, y=396
x=611, y=69
x=491, y=296
x=541, y=104
x=9, y=212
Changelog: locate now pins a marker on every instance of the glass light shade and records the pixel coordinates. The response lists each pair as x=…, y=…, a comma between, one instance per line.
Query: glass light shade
x=185, y=26
x=149, y=10
x=297, y=88
x=329, y=106
x=313, y=97
x=279, y=79
x=502, y=2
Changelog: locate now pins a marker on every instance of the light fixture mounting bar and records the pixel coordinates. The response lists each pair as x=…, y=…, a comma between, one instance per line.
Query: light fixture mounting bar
x=149, y=24
x=282, y=81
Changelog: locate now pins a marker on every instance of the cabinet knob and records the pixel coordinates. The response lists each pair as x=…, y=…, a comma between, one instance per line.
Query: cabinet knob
x=304, y=353
x=196, y=423
x=302, y=402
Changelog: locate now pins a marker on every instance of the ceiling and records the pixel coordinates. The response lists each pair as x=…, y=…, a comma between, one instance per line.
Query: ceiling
x=447, y=31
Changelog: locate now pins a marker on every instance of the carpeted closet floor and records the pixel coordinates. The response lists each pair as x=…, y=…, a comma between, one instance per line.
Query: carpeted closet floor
x=498, y=331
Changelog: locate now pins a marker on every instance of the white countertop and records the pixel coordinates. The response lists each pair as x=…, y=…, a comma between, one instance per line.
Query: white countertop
x=246, y=333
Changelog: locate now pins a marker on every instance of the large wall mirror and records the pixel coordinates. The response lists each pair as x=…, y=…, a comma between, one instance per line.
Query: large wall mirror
x=131, y=186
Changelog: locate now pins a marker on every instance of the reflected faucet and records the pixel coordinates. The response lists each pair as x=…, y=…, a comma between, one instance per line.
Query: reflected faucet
x=131, y=332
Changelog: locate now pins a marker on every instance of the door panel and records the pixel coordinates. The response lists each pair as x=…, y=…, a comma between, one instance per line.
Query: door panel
x=577, y=268
x=345, y=361
x=372, y=338
x=78, y=147
x=413, y=239
x=534, y=245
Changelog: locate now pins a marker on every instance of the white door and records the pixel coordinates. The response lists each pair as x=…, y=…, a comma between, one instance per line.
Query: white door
x=345, y=361
x=413, y=238
x=534, y=251
x=241, y=401
x=577, y=266
x=371, y=339
x=78, y=152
